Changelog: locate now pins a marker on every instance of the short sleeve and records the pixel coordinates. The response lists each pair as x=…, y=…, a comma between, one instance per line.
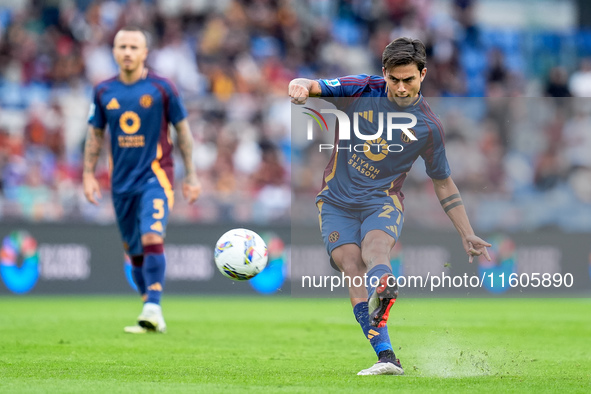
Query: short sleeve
x=176, y=109
x=96, y=114
x=349, y=86
x=436, y=163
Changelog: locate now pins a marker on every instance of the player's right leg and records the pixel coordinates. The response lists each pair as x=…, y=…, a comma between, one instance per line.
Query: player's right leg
x=348, y=258
x=379, y=232
x=340, y=230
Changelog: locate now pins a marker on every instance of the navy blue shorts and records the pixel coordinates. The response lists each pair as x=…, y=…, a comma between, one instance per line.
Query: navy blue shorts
x=340, y=226
x=139, y=214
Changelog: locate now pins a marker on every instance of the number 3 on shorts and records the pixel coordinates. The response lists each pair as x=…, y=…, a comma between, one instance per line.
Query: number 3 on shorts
x=159, y=207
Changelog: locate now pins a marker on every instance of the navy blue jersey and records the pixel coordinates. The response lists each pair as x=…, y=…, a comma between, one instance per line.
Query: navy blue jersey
x=361, y=173
x=138, y=117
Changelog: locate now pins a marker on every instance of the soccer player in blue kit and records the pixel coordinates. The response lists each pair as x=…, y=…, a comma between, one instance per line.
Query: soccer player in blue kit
x=360, y=205
x=138, y=106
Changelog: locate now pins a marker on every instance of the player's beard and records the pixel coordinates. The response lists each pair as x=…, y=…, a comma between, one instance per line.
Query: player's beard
x=130, y=66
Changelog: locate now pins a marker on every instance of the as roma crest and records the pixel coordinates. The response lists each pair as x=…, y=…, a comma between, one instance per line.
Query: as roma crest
x=405, y=138
x=333, y=237
x=146, y=101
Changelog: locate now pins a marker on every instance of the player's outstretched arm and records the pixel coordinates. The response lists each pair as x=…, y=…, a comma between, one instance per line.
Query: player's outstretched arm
x=92, y=151
x=191, y=184
x=301, y=88
x=451, y=202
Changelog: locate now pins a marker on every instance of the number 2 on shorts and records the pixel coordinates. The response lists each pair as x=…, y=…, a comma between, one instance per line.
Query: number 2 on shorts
x=387, y=210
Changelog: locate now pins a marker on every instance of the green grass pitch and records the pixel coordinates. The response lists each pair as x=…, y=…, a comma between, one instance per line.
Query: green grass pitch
x=280, y=344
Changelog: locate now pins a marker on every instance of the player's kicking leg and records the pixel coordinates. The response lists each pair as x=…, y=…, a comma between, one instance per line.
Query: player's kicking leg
x=348, y=259
x=382, y=291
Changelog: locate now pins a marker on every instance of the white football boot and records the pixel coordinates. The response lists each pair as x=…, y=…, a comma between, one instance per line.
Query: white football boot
x=135, y=329
x=151, y=318
x=384, y=368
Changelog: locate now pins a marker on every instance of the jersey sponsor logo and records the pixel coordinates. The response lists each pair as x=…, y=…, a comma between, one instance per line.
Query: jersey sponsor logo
x=332, y=82
x=129, y=122
x=131, y=141
x=363, y=166
x=404, y=138
x=379, y=152
x=146, y=101
x=333, y=237
x=113, y=104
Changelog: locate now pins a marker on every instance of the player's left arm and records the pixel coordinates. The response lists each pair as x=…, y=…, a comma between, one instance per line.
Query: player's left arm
x=451, y=202
x=191, y=183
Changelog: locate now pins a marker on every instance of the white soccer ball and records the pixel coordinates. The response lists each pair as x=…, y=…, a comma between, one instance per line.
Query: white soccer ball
x=240, y=254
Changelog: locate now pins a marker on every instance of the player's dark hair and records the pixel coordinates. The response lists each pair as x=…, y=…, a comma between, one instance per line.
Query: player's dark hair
x=137, y=28
x=403, y=51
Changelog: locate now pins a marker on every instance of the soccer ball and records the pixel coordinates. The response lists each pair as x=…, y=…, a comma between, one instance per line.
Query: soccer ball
x=240, y=254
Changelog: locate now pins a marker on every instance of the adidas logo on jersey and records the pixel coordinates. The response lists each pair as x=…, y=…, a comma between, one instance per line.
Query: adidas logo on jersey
x=113, y=104
x=367, y=115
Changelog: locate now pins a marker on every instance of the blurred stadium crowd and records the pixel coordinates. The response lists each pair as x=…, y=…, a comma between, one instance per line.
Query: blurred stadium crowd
x=232, y=61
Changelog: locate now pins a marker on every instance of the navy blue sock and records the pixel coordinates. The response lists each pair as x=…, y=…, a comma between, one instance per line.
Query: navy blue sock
x=154, y=267
x=376, y=272
x=378, y=337
x=137, y=271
